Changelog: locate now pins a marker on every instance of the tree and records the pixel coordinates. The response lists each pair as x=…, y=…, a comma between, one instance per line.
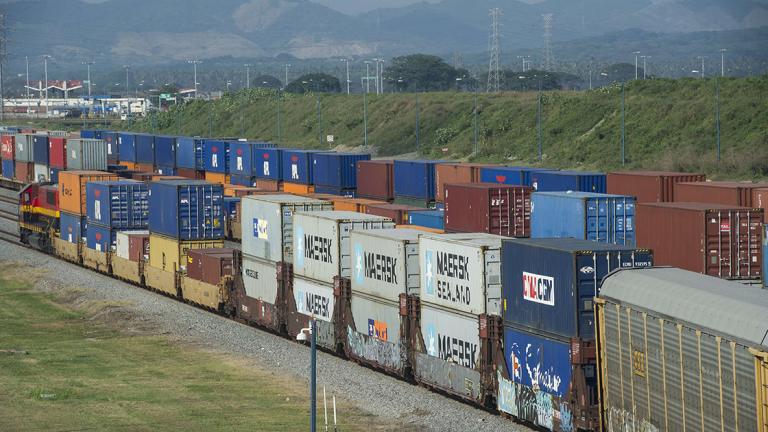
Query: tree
x=317, y=82
x=420, y=72
x=267, y=81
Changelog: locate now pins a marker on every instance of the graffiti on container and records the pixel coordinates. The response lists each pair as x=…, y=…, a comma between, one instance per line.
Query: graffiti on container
x=507, y=397
x=539, y=377
x=620, y=420
x=544, y=410
x=528, y=406
x=566, y=418
x=384, y=353
x=453, y=349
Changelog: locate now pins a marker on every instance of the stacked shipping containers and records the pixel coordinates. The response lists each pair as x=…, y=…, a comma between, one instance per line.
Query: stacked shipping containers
x=554, y=181
x=24, y=156
x=489, y=208
x=114, y=206
x=126, y=145
x=375, y=179
x=7, y=155
x=336, y=173
x=111, y=140
x=189, y=156
x=415, y=182
x=446, y=173
x=165, y=154
x=86, y=154
x=72, y=202
x=511, y=175
x=434, y=219
x=649, y=186
x=40, y=157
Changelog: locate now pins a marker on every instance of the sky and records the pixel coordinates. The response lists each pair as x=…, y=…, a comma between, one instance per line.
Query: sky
x=354, y=7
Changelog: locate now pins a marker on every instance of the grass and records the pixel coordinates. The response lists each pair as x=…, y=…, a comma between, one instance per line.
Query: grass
x=62, y=369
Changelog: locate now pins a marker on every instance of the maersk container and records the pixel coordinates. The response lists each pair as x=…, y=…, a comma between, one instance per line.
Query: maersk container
x=260, y=279
x=41, y=150
x=118, y=204
x=315, y=299
x=9, y=169
x=461, y=272
x=86, y=154
x=510, y=175
x=72, y=227
x=376, y=338
x=241, y=159
x=215, y=155
x=415, y=179
x=322, y=245
x=126, y=145
x=165, y=151
x=385, y=263
x=25, y=149
x=189, y=153
x=145, y=149
x=582, y=181
x=337, y=170
x=584, y=215
x=427, y=218
x=298, y=166
x=549, y=284
x=113, y=151
x=100, y=238
x=268, y=163
x=267, y=223
x=190, y=209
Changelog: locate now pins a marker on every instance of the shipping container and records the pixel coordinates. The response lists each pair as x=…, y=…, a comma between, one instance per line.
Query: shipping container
x=7, y=146
x=713, y=239
x=86, y=154
x=166, y=171
x=230, y=207
x=451, y=340
x=126, y=145
x=316, y=299
x=396, y=212
x=260, y=279
x=682, y=351
x=455, y=172
x=216, y=177
x=549, y=283
x=298, y=188
x=129, y=167
x=737, y=194
x=40, y=152
x=72, y=227
x=215, y=156
x=171, y=254
x=583, y=215
x=210, y=265
x=510, y=175
x=415, y=179
x=100, y=238
x=376, y=179
x=268, y=164
x=297, y=165
x=24, y=150
x=321, y=242
x=359, y=205
x=269, y=185
x=490, y=208
x=57, y=152
x=427, y=218
x=145, y=149
x=555, y=181
x=241, y=156
x=192, y=209
x=118, y=204
x=375, y=337
x=330, y=190
x=385, y=263
x=760, y=200
x=72, y=188
x=89, y=133
x=54, y=175
x=113, y=151
x=242, y=180
x=132, y=245
x=9, y=169
x=189, y=153
x=25, y=171
x=41, y=173
x=187, y=173
x=336, y=170
x=649, y=186
x=765, y=255
x=165, y=151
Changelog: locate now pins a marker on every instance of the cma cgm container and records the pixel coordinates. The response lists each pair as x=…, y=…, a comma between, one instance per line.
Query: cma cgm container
x=145, y=149
x=321, y=242
x=737, y=194
x=113, y=151
x=7, y=146
x=24, y=149
x=215, y=155
x=427, y=218
x=189, y=153
x=454, y=172
x=118, y=204
x=490, y=208
x=165, y=151
x=268, y=164
x=511, y=175
x=297, y=166
x=100, y=238
x=57, y=152
x=191, y=209
x=649, y=186
x=375, y=179
x=584, y=215
x=549, y=284
x=713, y=239
x=40, y=151
x=9, y=169
x=126, y=144
x=679, y=339
x=267, y=224
x=553, y=181
x=72, y=227
x=336, y=170
x=415, y=179
x=72, y=191
x=241, y=160
x=86, y=154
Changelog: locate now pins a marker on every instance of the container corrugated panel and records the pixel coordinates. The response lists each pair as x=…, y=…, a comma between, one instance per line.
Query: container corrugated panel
x=145, y=149
x=7, y=146
x=375, y=179
x=86, y=154
x=267, y=224
x=87, y=133
x=241, y=159
x=192, y=209
x=525, y=351
x=24, y=149
x=760, y=200
x=126, y=144
x=454, y=172
x=461, y=272
x=427, y=218
x=166, y=170
x=170, y=254
x=121, y=205
x=338, y=170
x=649, y=186
x=549, y=283
x=57, y=152
x=377, y=336
x=260, y=279
x=490, y=208
x=72, y=227
x=385, y=263
x=415, y=179
x=165, y=150
x=9, y=169
x=242, y=180
x=321, y=245
x=100, y=238
x=189, y=153
x=450, y=336
x=215, y=155
x=113, y=149
x=42, y=173
x=25, y=171
x=720, y=192
x=511, y=175
x=555, y=181
x=314, y=299
x=598, y=217
x=297, y=165
x=268, y=163
x=40, y=152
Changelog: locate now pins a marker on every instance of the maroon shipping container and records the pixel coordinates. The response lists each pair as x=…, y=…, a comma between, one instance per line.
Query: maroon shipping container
x=210, y=265
x=25, y=171
x=138, y=247
x=722, y=192
x=186, y=173
x=760, y=200
x=7, y=146
x=376, y=179
x=396, y=212
x=200, y=175
x=57, y=152
x=488, y=207
x=649, y=186
x=450, y=173
x=713, y=239
x=268, y=185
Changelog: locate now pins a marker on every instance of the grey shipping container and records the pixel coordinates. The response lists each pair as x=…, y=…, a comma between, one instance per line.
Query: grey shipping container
x=316, y=300
x=86, y=154
x=385, y=263
x=25, y=151
x=321, y=241
x=376, y=337
x=461, y=272
x=267, y=224
x=260, y=279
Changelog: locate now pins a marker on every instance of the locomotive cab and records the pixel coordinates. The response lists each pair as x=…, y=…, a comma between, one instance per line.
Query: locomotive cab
x=39, y=215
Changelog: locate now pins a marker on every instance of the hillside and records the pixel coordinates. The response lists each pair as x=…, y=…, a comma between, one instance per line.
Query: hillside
x=670, y=124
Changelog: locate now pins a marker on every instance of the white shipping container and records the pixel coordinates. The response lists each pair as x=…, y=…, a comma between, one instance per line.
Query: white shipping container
x=123, y=242
x=461, y=271
x=450, y=336
x=321, y=241
x=260, y=279
x=376, y=317
x=42, y=173
x=313, y=299
x=385, y=263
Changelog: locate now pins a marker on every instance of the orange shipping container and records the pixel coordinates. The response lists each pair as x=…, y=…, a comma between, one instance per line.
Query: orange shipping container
x=215, y=177
x=298, y=189
x=159, y=177
x=72, y=188
x=251, y=191
x=760, y=200
x=145, y=167
x=270, y=185
x=359, y=205
x=130, y=166
x=446, y=173
x=421, y=228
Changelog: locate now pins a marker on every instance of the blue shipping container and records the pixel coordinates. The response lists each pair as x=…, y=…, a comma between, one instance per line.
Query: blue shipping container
x=548, y=284
x=87, y=133
x=187, y=209
x=230, y=207
x=189, y=153
x=349, y=193
x=297, y=165
x=40, y=152
x=415, y=179
x=241, y=159
x=145, y=148
x=513, y=175
x=9, y=169
x=166, y=170
x=215, y=155
x=338, y=170
x=118, y=204
x=538, y=362
x=427, y=218
x=165, y=150
x=100, y=238
x=113, y=152
x=554, y=181
x=126, y=146
x=268, y=164
x=584, y=215
x=242, y=180
x=54, y=177
x=765, y=255
x=72, y=227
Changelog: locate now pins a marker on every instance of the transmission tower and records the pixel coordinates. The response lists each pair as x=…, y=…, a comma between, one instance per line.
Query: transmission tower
x=494, y=70
x=548, y=60
x=458, y=60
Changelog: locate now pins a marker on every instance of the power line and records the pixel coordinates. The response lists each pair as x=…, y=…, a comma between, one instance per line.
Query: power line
x=494, y=70
x=548, y=60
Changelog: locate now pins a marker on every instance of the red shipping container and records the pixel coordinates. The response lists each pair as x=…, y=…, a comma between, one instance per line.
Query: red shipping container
x=737, y=194
x=57, y=152
x=186, y=173
x=396, y=212
x=760, y=200
x=713, y=239
x=25, y=171
x=268, y=185
x=649, y=186
x=138, y=247
x=7, y=146
x=447, y=173
x=376, y=180
x=210, y=265
x=489, y=208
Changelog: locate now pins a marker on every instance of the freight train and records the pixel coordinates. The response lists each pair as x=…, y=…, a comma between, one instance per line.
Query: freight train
x=564, y=333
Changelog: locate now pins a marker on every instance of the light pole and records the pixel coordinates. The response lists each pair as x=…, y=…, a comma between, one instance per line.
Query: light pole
x=88, y=65
x=538, y=124
x=302, y=336
x=644, y=66
x=702, y=64
x=418, y=132
x=345, y=60
x=377, y=74
x=722, y=62
x=717, y=117
x=590, y=72
x=194, y=66
x=636, y=54
x=127, y=93
x=365, y=118
x=247, y=76
x=286, y=75
x=45, y=68
x=26, y=59
x=623, y=142
x=367, y=76
x=381, y=76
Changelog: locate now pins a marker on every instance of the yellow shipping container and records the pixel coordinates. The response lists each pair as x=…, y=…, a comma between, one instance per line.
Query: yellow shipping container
x=72, y=188
x=167, y=253
x=215, y=177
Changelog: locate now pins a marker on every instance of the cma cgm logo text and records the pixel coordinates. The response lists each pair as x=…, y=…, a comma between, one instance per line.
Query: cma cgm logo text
x=538, y=288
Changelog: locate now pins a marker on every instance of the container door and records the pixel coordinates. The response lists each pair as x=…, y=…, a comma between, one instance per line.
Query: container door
x=598, y=222
x=749, y=245
x=719, y=239
x=590, y=268
x=623, y=221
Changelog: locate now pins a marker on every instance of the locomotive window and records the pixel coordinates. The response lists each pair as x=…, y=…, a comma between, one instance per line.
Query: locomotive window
x=51, y=198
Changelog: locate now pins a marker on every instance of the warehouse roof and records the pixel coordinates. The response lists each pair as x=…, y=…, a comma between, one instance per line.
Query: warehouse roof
x=727, y=308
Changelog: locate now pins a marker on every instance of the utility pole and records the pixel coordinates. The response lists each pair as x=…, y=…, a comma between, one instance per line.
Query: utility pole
x=381, y=76
x=494, y=69
x=365, y=118
x=717, y=117
x=474, y=132
x=279, y=138
x=127, y=93
x=45, y=68
x=286, y=75
x=418, y=138
x=623, y=142
x=702, y=65
x=549, y=59
x=367, y=76
x=377, y=75
x=636, y=53
x=88, y=65
x=247, y=75
x=538, y=125
x=319, y=122
x=722, y=62
x=194, y=66
x=26, y=59
x=644, y=65
x=347, y=62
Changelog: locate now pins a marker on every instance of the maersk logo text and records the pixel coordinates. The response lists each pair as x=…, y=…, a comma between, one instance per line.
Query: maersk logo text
x=318, y=248
x=538, y=288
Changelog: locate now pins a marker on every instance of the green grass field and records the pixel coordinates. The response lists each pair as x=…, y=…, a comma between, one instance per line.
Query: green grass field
x=61, y=369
